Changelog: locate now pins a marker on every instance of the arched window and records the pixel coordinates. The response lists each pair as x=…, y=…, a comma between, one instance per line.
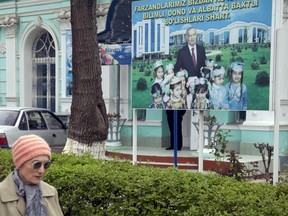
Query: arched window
x=44, y=46
x=44, y=72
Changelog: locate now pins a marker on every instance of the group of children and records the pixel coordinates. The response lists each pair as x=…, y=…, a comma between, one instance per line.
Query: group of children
x=172, y=90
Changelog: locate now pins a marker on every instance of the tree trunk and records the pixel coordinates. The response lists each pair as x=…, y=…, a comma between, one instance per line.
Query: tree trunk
x=88, y=125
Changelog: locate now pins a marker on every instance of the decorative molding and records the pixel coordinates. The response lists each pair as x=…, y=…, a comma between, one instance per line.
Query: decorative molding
x=101, y=15
x=11, y=31
x=38, y=21
x=8, y=21
x=63, y=15
x=11, y=99
x=284, y=102
x=64, y=25
x=102, y=9
x=285, y=10
x=36, y=2
x=101, y=23
x=2, y=48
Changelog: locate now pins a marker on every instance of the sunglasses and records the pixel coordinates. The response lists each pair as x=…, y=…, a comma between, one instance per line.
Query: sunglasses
x=38, y=164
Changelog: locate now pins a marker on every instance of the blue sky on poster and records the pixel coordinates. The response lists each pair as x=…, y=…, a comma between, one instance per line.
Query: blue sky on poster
x=260, y=12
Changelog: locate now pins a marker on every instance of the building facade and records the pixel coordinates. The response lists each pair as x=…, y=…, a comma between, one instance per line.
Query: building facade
x=33, y=56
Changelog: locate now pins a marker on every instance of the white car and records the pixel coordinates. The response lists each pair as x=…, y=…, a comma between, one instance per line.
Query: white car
x=15, y=122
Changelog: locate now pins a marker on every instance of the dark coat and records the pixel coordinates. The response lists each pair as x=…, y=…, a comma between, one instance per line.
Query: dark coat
x=184, y=60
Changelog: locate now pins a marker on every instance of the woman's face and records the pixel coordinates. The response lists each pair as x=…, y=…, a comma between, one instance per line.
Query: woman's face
x=236, y=76
x=159, y=72
x=30, y=175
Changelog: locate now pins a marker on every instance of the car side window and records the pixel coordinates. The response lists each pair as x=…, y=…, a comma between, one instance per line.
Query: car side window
x=52, y=121
x=8, y=117
x=35, y=121
x=23, y=123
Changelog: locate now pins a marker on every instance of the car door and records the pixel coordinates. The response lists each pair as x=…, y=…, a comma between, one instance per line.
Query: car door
x=56, y=128
x=38, y=126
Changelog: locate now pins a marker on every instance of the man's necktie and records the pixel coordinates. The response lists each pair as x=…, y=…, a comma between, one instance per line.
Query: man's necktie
x=193, y=58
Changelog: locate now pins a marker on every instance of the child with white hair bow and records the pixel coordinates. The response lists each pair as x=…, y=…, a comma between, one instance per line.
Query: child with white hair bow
x=236, y=90
x=183, y=74
x=205, y=71
x=218, y=94
x=176, y=100
x=199, y=90
x=190, y=86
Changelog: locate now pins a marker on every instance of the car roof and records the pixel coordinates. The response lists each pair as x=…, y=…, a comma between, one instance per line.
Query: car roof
x=21, y=108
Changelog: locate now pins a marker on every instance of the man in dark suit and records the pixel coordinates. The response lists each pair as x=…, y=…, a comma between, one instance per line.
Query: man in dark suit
x=185, y=55
x=191, y=57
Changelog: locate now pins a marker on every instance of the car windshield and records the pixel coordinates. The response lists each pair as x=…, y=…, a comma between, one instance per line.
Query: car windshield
x=8, y=117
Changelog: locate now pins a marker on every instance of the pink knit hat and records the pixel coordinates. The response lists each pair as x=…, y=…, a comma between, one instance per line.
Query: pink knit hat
x=27, y=147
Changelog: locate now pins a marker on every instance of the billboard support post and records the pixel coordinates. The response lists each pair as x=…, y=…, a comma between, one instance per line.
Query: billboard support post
x=175, y=136
x=201, y=140
x=134, y=156
x=277, y=13
x=118, y=89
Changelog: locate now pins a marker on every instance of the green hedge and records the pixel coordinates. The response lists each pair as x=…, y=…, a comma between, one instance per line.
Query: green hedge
x=96, y=187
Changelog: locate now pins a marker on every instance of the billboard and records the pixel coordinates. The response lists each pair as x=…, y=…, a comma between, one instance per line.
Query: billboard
x=201, y=54
x=109, y=54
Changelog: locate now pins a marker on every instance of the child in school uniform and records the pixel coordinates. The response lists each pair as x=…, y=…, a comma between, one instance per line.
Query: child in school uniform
x=183, y=75
x=201, y=94
x=156, y=93
x=176, y=100
x=162, y=79
x=168, y=76
x=190, y=85
x=236, y=90
x=218, y=94
x=158, y=72
x=205, y=71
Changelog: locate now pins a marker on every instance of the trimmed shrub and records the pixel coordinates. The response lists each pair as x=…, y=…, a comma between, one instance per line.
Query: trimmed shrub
x=141, y=69
x=255, y=65
x=6, y=163
x=263, y=60
x=148, y=72
x=233, y=53
x=239, y=59
x=88, y=186
x=141, y=84
x=254, y=48
x=218, y=58
x=262, y=79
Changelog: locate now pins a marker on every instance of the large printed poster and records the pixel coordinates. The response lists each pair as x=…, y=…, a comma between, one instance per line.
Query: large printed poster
x=110, y=54
x=201, y=54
